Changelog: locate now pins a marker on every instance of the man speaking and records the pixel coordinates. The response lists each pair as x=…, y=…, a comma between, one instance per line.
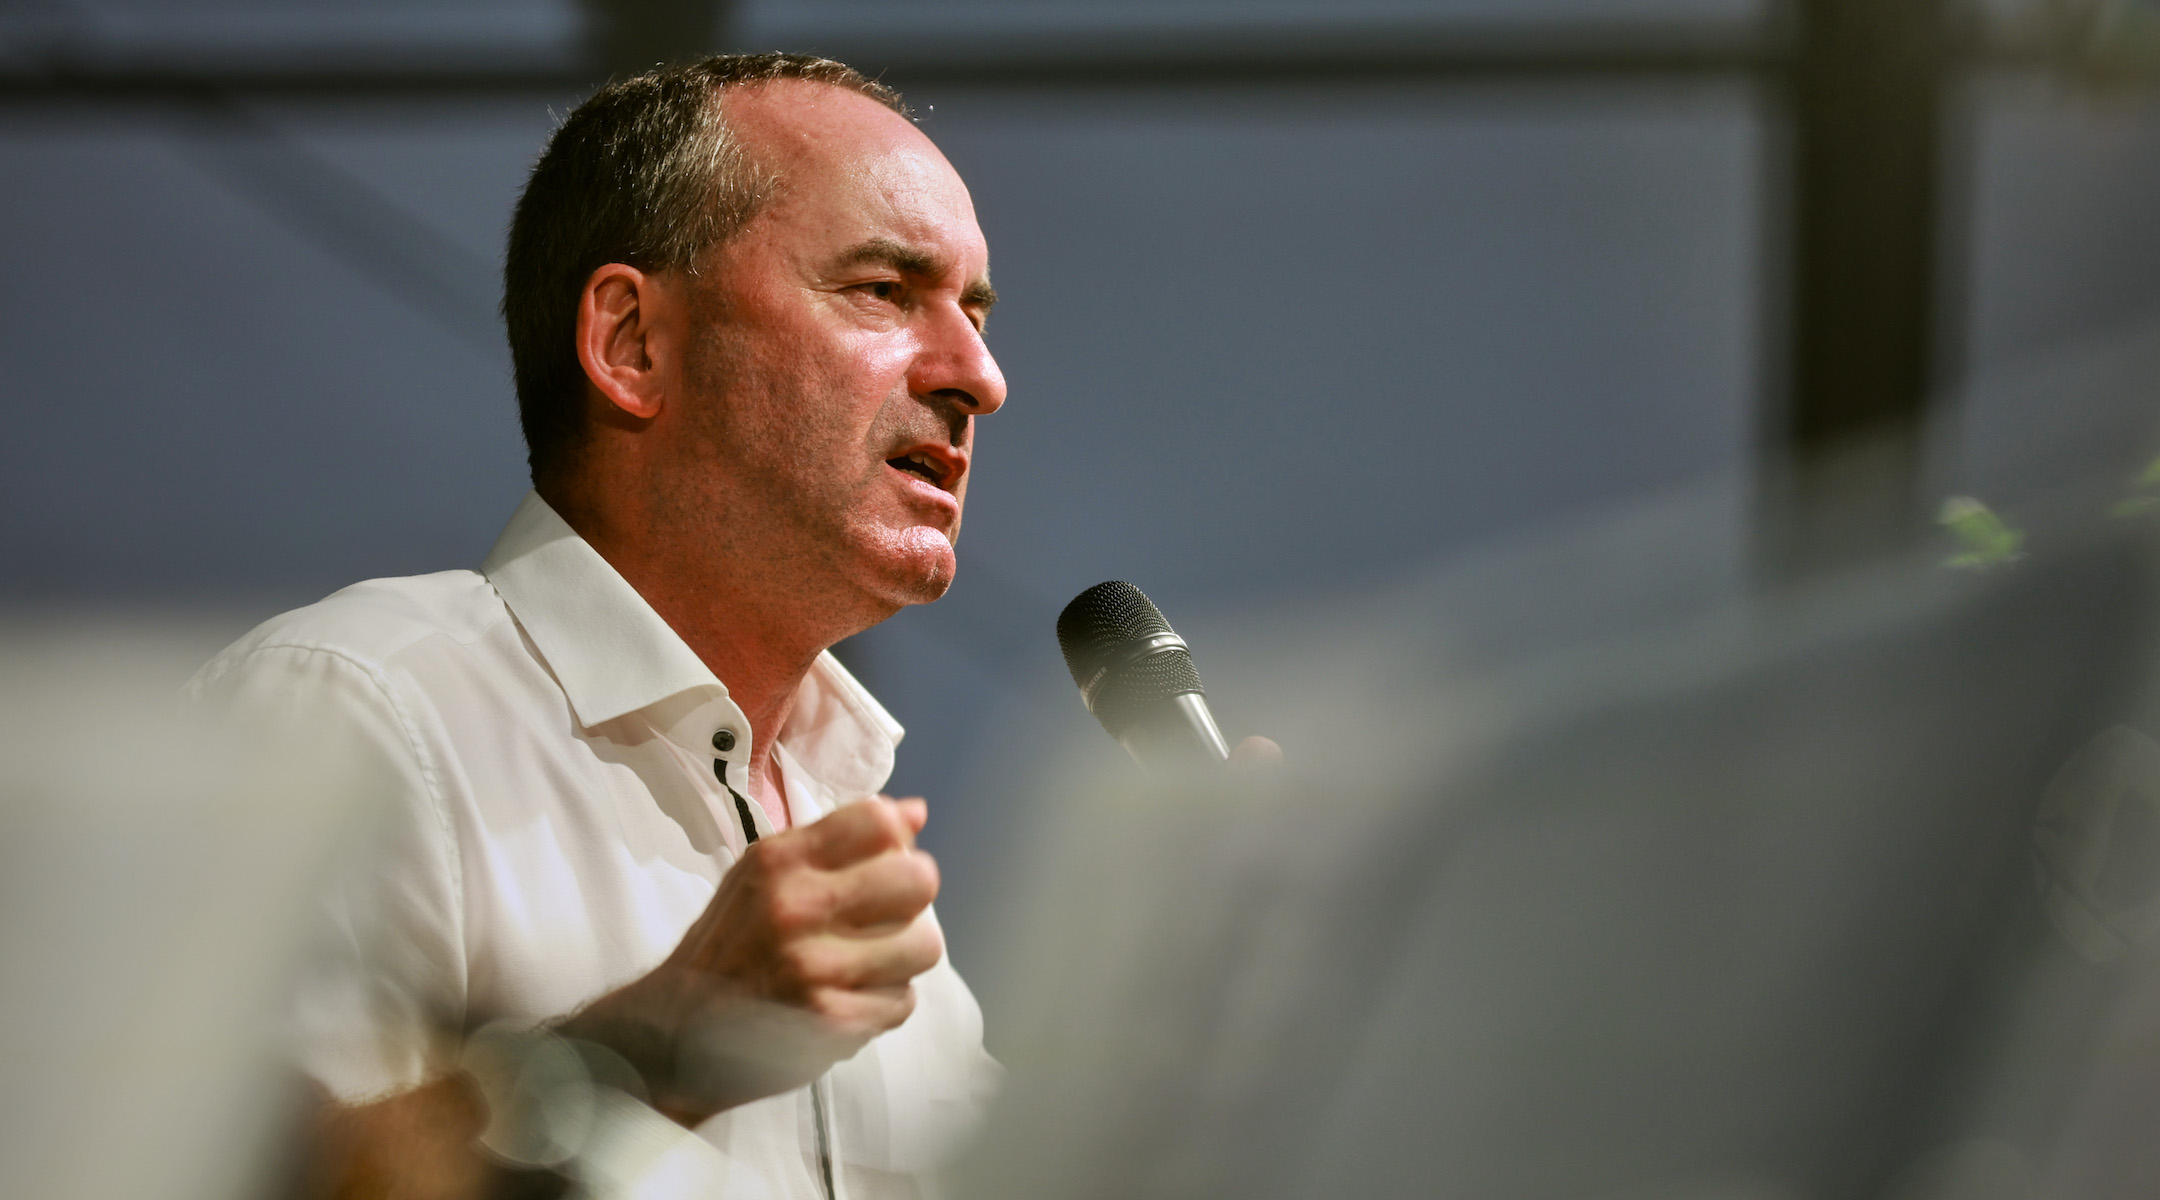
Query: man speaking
x=635, y=806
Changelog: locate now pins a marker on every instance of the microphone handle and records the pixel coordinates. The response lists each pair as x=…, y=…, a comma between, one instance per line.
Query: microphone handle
x=1176, y=733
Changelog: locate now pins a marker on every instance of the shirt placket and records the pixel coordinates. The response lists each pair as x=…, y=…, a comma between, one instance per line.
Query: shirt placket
x=730, y=764
x=731, y=746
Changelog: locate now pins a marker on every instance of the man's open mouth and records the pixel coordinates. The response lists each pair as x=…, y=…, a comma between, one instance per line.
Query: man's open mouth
x=917, y=464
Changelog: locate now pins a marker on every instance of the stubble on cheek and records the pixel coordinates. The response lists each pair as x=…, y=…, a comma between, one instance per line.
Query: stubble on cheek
x=796, y=481
x=914, y=547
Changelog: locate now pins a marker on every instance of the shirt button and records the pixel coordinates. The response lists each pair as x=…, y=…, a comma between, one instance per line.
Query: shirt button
x=724, y=740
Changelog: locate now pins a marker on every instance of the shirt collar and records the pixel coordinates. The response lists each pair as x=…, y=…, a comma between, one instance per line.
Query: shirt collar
x=614, y=655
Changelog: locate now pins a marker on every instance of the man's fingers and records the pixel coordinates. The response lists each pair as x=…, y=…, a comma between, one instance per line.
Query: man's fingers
x=865, y=1012
x=833, y=907
x=913, y=809
x=887, y=889
x=1255, y=753
x=891, y=889
x=859, y=963
x=854, y=832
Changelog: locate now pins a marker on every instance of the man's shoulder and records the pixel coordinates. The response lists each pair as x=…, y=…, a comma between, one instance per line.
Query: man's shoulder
x=373, y=623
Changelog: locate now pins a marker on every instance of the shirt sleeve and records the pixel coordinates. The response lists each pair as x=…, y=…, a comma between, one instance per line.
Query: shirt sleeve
x=380, y=997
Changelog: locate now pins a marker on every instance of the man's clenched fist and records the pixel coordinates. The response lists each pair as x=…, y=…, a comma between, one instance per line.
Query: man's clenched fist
x=804, y=954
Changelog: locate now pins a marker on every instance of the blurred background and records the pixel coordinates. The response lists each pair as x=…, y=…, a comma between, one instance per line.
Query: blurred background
x=1303, y=300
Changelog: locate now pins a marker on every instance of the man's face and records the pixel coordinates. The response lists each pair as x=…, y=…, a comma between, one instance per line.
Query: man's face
x=836, y=361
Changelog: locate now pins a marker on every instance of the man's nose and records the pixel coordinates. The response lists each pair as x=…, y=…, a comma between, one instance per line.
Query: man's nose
x=955, y=364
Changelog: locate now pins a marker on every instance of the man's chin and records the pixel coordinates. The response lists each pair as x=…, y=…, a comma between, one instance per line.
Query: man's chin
x=917, y=567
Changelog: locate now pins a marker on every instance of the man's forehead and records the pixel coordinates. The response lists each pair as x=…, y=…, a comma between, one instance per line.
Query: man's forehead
x=843, y=157
x=794, y=123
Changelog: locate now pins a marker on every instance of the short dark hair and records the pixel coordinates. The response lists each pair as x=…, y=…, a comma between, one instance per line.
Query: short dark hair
x=645, y=173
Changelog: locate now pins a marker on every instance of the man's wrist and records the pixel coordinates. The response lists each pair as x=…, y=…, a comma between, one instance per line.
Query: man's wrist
x=650, y=1054
x=703, y=1060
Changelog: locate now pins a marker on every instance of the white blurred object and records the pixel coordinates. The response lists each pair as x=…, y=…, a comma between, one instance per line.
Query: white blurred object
x=1708, y=894
x=152, y=903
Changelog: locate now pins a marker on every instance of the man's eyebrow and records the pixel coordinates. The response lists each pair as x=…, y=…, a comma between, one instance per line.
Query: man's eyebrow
x=913, y=260
x=887, y=252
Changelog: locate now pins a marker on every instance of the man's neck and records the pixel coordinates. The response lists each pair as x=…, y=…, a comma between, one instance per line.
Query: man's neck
x=761, y=662
x=749, y=627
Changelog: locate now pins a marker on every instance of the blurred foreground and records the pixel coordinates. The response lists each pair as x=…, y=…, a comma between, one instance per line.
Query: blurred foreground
x=1596, y=872
x=157, y=897
x=1610, y=878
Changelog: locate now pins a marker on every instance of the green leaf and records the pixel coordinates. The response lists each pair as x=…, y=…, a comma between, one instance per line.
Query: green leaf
x=1983, y=539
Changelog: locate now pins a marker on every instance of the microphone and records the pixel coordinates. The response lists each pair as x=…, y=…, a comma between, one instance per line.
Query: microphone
x=1137, y=676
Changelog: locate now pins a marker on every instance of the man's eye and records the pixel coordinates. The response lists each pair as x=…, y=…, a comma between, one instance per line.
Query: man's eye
x=884, y=289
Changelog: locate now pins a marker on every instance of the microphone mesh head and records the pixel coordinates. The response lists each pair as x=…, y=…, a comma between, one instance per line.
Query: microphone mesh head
x=1098, y=624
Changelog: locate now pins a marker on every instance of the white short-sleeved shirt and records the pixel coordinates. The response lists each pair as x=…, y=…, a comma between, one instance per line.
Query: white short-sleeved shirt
x=556, y=824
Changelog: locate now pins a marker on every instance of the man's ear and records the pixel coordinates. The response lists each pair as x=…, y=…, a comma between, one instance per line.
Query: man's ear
x=623, y=336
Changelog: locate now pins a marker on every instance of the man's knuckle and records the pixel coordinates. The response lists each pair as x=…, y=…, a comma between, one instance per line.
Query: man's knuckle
x=924, y=949
x=837, y=1007
x=901, y=1008
x=798, y=905
x=891, y=829
x=926, y=872
x=810, y=962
